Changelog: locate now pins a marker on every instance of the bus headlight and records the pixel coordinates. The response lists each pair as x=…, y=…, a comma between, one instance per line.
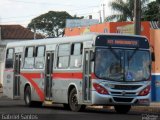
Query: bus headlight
x=145, y=91
x=100, y=89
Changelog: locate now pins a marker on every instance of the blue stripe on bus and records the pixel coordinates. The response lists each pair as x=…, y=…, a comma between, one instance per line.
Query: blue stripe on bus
x=155, y=88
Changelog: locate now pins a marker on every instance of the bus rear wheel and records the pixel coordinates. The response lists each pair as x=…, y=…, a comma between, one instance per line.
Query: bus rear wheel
x=27, y=99
x=73, y=101
x=122, y=109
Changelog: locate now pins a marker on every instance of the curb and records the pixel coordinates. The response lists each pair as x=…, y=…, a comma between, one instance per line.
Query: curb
x=151, y=109
x=154, y=108
x=145, y=109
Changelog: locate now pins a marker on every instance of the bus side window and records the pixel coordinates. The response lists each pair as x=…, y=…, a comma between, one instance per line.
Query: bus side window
x=29, y=58
x=9, y=58
x=76, y=55
x=39, y=57
x=63, y=56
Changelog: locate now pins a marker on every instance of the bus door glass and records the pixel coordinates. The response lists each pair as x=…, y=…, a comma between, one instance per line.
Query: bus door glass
x=87, y=76
x=48, y=75
x=9, y=73
x=17, y=67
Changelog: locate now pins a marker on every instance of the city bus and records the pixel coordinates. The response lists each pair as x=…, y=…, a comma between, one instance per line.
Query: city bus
x=79, y=71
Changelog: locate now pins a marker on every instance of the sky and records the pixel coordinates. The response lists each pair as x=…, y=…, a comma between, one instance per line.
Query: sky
x=23, y=11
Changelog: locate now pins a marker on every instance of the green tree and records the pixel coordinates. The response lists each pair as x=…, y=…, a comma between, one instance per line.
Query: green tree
x=158, y=4
x=152, y=12
x=51, y=24
x=158, y=1
x=124, y=10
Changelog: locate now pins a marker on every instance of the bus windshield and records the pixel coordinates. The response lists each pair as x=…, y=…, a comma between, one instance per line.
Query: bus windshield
x=122, y=65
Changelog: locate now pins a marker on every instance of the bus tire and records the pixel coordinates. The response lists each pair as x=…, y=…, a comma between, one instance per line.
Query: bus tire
x=27, y=96
x=122, y=109
x=27, y=99
x=73, y=101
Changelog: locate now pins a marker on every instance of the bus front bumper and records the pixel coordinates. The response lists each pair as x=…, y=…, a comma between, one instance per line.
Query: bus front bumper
x=100, y=99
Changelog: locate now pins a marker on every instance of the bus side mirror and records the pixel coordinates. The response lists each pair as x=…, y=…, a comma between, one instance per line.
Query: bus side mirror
x=92, y=57
x=153, y=56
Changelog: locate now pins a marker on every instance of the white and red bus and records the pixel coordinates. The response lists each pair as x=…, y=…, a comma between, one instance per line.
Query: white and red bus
x=93, y=69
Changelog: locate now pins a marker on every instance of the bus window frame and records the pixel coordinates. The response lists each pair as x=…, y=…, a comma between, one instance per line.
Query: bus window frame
x=80, y=54
x=57, y=56
x=12, y=58
x=29, y=57
x=37, y=50
x=36, y=53
x=97, y=47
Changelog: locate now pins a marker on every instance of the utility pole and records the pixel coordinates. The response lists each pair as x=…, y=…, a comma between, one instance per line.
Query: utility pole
x=0, y=31
x=34, y=31
x=100, y=17
x=137, y=17
x=0, y=35
x=103, y=5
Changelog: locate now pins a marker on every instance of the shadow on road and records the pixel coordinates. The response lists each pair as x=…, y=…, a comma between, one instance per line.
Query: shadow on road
x=19, y=105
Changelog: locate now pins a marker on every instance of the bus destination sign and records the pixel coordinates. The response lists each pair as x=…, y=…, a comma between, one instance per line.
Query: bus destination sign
x=123, y=42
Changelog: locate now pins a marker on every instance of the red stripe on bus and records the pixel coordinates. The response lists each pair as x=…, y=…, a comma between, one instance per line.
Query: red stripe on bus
x=30, y=77
x=93, y=76
x=67, y=75
x=34, y=75
x=61, y=75
x=71, y=75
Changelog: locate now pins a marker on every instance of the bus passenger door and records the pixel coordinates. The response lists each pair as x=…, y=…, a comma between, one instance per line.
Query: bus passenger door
x=87, y=76
x=48, y=75
x=16, y=83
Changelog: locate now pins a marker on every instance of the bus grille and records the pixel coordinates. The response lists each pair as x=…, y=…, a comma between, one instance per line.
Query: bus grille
x=126, y=93
x=126, y=87
x=116, y=99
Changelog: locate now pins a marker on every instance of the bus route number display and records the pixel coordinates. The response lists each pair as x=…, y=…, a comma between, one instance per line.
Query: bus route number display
x=123, y=42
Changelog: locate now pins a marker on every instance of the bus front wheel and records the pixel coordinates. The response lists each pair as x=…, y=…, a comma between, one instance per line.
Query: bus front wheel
x=27, y=99
x=122, y=109
x=73, y=101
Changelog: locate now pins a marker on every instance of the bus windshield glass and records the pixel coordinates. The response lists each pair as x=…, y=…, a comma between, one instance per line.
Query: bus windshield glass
x=122, y=65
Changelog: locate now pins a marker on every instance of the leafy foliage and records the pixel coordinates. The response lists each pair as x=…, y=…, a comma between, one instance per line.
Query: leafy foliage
x=152, y=12
x=124, y=10
x=158, y=1
x=51, y=24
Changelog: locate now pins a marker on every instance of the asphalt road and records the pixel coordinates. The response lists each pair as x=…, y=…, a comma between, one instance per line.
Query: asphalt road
x=16, y=109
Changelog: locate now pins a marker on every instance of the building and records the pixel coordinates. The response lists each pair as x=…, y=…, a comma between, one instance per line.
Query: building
x=11, y=33
x=148, y=29
x=109, y=27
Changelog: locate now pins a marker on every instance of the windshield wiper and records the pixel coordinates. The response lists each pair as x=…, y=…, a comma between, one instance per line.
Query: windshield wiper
x=114, y=53
x=133, y=53
x=118, y=57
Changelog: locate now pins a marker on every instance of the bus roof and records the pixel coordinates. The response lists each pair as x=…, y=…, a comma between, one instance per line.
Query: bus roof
x=79, y=38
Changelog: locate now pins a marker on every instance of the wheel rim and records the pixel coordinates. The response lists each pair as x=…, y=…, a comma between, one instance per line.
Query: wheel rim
x=27, y=99
x=74, y=101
